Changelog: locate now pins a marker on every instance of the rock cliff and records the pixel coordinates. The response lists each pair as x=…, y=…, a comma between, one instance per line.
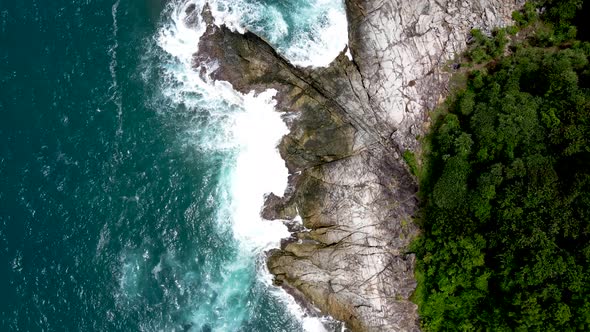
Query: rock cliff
x=349, y=124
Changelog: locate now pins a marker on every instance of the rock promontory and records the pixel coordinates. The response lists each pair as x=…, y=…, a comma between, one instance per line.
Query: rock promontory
x=349, y=125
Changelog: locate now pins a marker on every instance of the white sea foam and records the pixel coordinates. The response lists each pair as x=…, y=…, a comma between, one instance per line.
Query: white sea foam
x=328, y=35
x=259, y=170
x=115, y=94
x=318, y=31
x=348, y=54
x=254, y=131
x=309, y=323
x=249, y=126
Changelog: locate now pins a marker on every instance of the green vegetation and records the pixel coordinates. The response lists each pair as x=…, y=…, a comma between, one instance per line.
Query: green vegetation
x=410, y=159
x=506, y=185
x=487, y=48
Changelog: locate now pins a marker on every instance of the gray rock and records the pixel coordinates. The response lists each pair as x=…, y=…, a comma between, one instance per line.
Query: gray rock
x=350, y=123
x=401, y=46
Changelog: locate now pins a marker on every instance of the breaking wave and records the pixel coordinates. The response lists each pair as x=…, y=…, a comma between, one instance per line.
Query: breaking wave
x=243, y=131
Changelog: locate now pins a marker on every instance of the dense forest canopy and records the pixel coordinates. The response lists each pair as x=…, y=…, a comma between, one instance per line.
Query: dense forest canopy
x=505, y=183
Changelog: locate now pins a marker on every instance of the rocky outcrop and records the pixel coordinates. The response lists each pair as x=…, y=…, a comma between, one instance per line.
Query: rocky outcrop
x=401, y=47
x=349, y=124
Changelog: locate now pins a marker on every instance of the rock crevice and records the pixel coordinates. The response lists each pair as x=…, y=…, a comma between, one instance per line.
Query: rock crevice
x=349, y=124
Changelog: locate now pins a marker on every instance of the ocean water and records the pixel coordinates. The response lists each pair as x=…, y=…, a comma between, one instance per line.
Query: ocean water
x=130, y=186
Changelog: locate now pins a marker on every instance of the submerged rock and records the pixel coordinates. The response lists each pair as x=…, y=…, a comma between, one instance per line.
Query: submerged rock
x=350, y=123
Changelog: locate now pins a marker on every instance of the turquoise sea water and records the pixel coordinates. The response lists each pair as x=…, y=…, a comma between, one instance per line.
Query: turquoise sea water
x=129, y=185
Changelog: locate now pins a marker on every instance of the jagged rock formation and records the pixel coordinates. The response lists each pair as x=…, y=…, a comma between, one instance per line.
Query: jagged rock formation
x=353, y=120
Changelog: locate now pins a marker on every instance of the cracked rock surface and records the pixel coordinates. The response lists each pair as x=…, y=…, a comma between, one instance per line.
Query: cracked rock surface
x=402, y=45
x=349, y=124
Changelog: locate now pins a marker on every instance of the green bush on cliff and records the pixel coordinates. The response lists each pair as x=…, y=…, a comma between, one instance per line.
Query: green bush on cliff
x=506, y=201
x=484, y=47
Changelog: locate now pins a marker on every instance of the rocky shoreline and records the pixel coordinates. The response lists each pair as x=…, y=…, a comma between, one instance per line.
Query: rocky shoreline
x=349, y=125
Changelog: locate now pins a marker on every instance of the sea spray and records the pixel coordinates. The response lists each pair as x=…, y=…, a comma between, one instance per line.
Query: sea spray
x=259, y=170
x=247, y=126
x=246, y=123
x=306, y=32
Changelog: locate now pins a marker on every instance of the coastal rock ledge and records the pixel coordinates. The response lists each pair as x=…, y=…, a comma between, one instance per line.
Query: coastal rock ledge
x=350, y=123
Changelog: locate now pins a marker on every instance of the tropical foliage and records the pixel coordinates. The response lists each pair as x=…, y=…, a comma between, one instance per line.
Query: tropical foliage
x=506, y=186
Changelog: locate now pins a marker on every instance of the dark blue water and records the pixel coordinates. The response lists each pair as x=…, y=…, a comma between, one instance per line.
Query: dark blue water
x=115, y=187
